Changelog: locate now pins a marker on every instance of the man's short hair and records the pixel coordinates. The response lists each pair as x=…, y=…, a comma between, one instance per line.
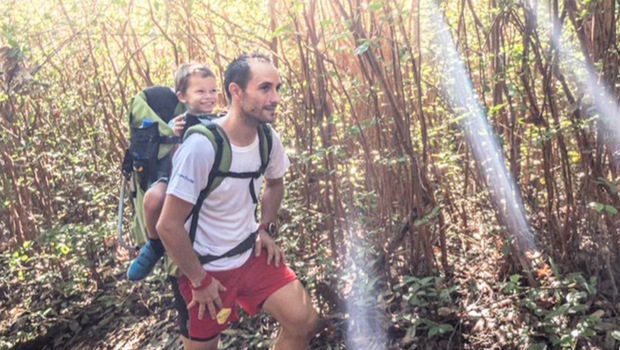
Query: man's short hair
x=238, y=71
x=186, y=71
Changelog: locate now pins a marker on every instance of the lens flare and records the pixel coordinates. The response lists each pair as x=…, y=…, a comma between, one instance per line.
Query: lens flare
x=366, y=321
x=488, y=155
x=576, y=66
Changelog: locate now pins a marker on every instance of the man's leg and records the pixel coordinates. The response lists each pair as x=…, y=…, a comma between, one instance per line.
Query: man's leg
x=292, y=308
x=200, y=345
x=204, y=333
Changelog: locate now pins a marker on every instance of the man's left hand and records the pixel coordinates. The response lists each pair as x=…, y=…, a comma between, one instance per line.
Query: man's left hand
x=264, y=241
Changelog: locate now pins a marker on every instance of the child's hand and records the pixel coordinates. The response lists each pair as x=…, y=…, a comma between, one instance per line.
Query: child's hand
x=179, y=124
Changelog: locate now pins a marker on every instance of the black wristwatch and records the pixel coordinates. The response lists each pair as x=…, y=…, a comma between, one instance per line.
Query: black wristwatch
x=271, y=228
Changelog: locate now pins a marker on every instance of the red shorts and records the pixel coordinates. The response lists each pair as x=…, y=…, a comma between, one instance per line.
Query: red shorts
x=249, y=286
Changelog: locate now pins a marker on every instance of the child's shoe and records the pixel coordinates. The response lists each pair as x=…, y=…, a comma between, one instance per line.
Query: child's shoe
x=146, y=260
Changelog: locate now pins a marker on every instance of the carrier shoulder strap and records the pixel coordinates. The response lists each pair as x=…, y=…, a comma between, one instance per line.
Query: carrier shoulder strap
x=221, y=165
x=265, y=139
x=195, y=119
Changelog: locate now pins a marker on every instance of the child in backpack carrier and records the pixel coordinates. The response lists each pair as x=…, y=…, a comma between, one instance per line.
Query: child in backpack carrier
x=195, y=87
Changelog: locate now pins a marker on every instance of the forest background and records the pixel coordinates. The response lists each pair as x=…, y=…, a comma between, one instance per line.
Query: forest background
x=400, y=218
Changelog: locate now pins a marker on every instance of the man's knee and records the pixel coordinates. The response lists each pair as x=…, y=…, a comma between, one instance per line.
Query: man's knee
x=311, y=324
x=292, y=307
x=302, y=324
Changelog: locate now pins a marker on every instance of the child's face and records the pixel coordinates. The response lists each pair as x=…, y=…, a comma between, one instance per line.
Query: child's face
x=200, y=96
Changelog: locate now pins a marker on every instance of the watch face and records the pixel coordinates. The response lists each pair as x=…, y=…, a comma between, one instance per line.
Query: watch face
x=271, y=228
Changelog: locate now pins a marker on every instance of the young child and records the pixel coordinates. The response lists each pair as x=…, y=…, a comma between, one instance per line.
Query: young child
x=195, y=86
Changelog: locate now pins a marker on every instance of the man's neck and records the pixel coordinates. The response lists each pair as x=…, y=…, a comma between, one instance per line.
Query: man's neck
x=241, y=131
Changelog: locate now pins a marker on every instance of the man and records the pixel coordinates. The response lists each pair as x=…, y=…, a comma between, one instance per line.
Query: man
x=257, y=278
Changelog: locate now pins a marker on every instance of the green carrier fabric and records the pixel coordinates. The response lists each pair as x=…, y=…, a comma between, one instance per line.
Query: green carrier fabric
x=151, y=140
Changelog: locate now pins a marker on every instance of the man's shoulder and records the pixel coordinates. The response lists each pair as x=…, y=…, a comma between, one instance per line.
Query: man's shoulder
x=195, y=148
x=197, y=140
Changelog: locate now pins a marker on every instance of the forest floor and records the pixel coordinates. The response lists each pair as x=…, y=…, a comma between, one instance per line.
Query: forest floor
x=482, y=305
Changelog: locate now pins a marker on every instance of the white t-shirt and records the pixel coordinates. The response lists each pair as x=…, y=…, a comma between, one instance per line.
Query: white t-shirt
x=227, y=215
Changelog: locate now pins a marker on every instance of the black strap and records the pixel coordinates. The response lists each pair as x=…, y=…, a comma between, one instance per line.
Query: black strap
x=212, y=175
x=263, y=161
x=127, y=166
x=242, y=247
x=170, y=139
x=253, y=193
x=244, y=175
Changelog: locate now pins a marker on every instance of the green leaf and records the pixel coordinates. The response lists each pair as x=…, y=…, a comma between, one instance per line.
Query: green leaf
x=443, y=328
x=558, y=311
x=426, y=280
x=611, y=185
x=596, y=206
x=409, y=279
x=427, y=217
x=495, y=109
x=361, y=49
x=64, y=249
x=375, y=5
x=282, y=29
x=611, y=210
x=579, y=308
x=574, y=297
x=432, y=331
x=616, y=335
x=515, y=278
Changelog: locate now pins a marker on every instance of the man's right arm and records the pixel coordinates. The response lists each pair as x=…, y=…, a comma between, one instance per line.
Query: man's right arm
x=171, y=229
x=175, y=238
x=190, y=171
x=186, y=181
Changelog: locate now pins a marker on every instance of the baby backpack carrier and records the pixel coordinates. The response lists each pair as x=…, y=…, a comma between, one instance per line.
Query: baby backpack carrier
x=147, y=159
